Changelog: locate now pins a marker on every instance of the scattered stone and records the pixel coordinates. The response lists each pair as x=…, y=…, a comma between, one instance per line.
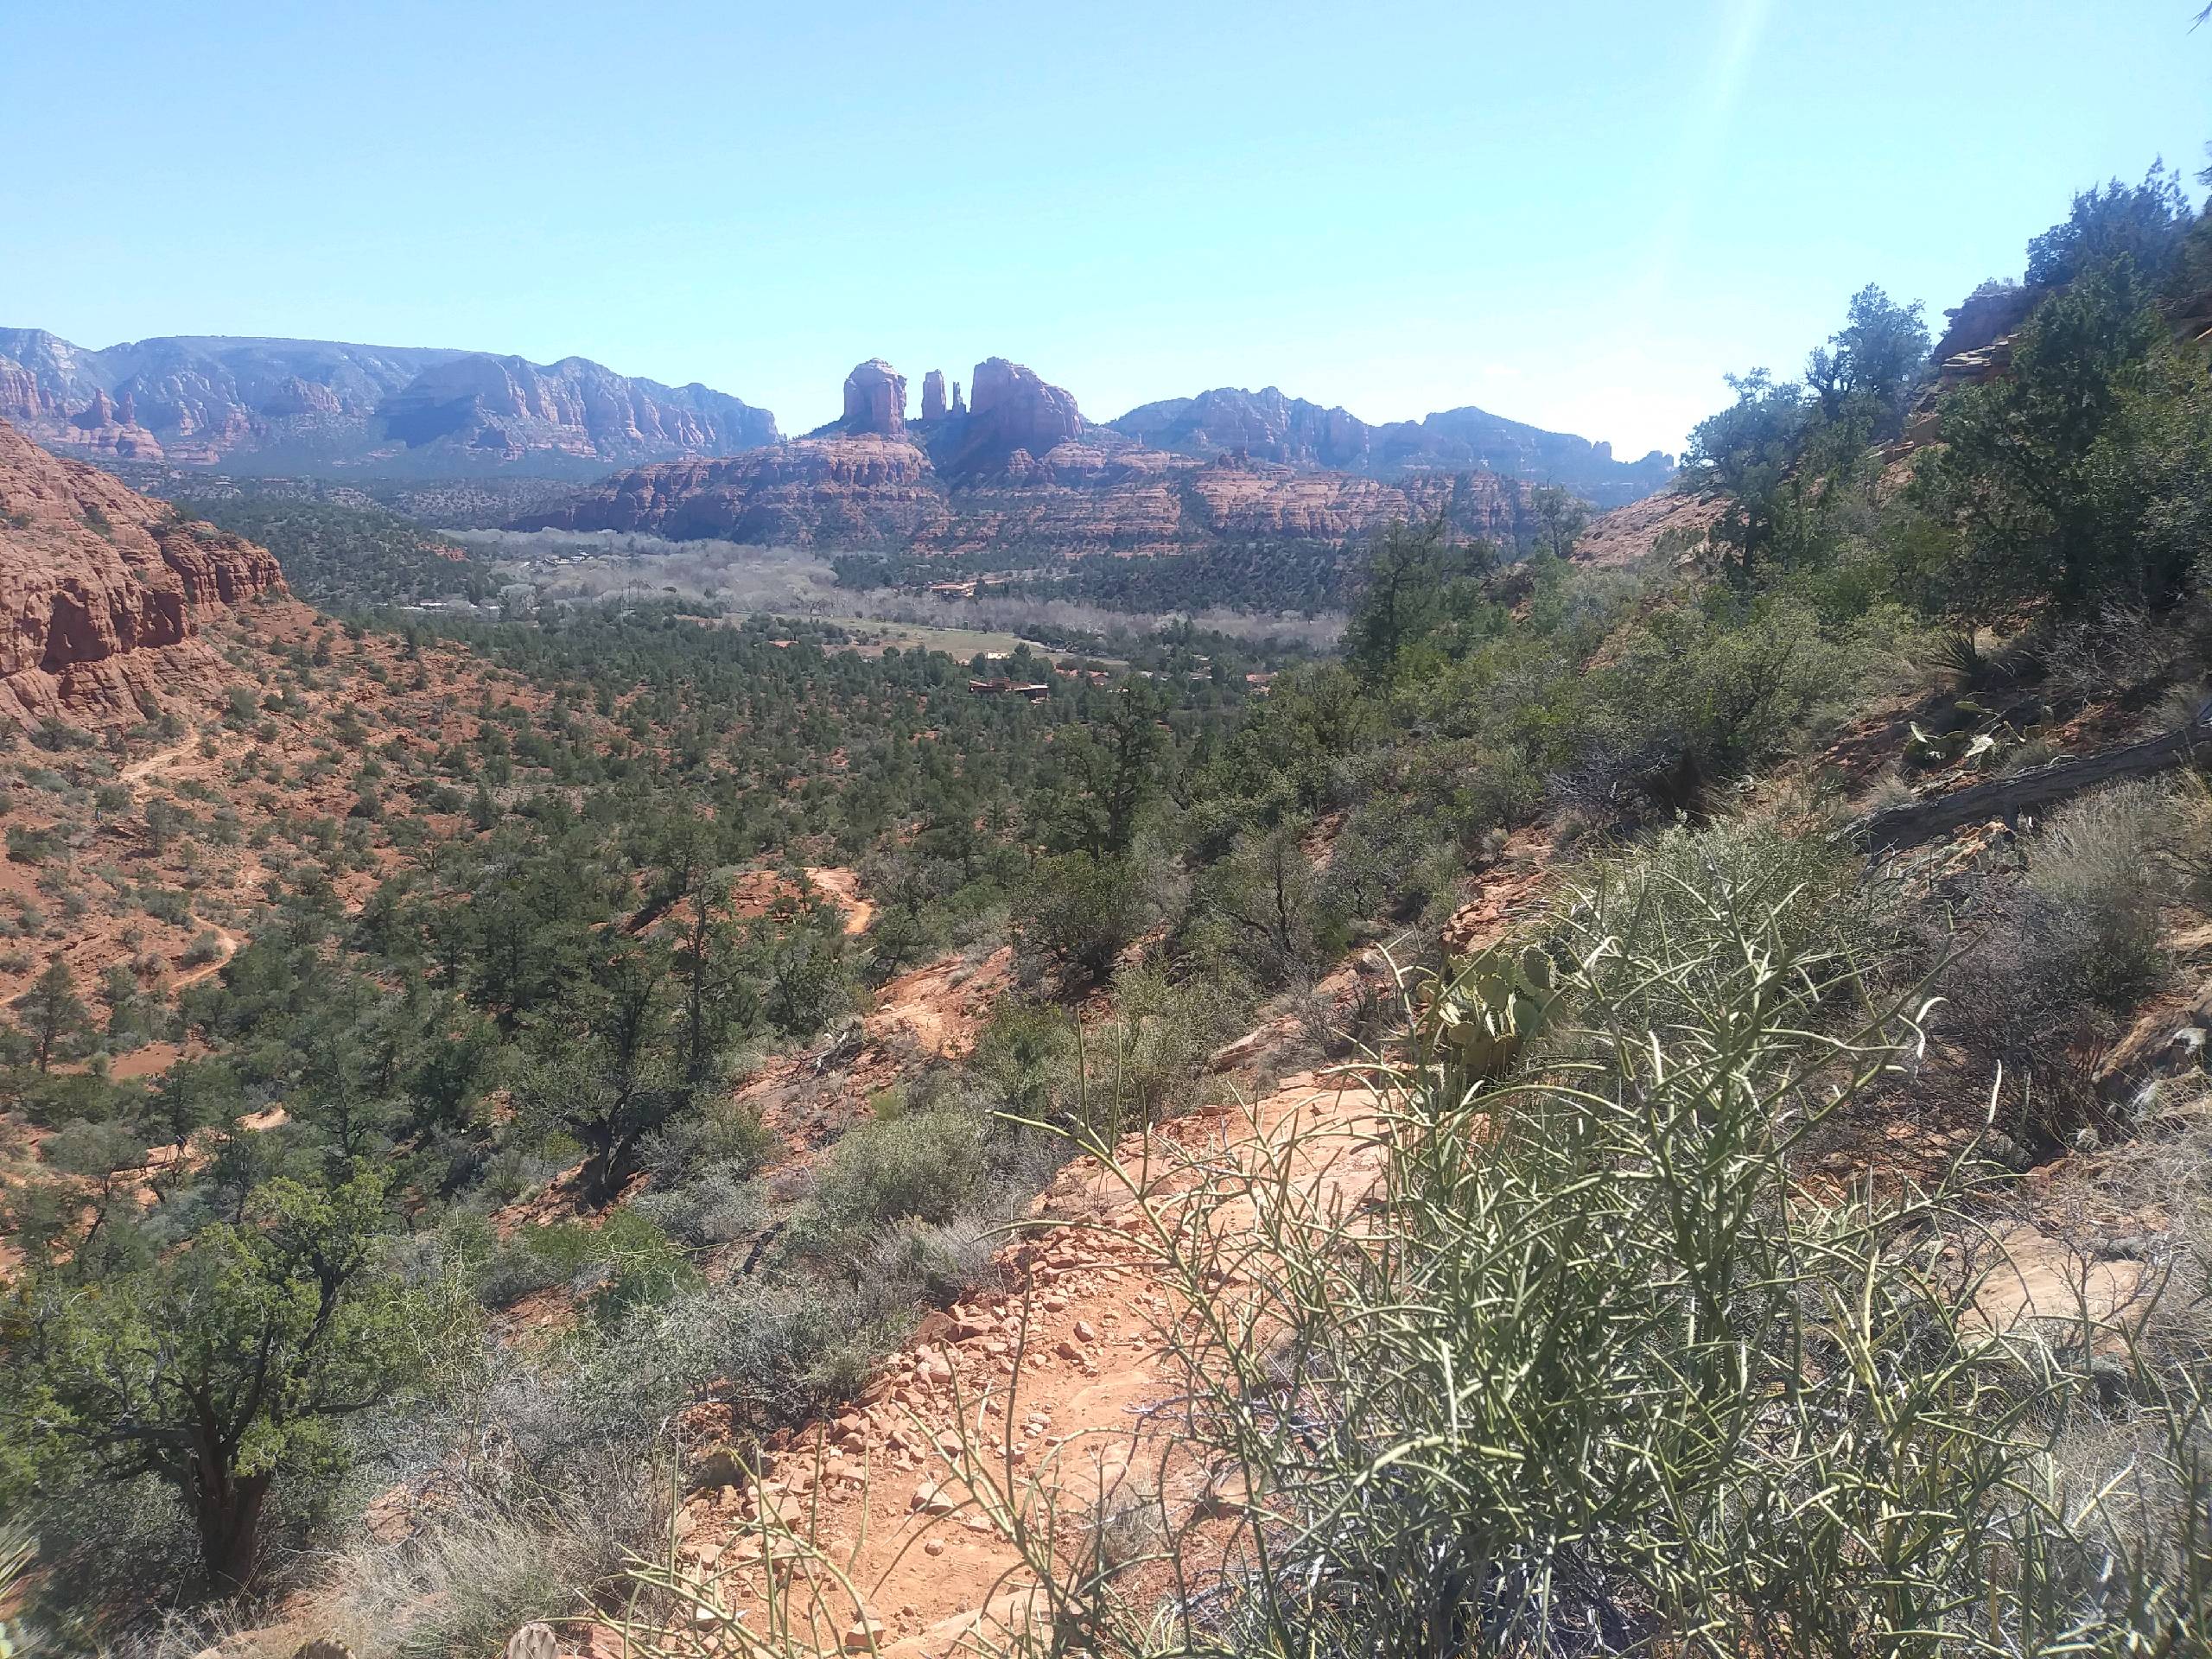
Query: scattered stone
x=931, y=1498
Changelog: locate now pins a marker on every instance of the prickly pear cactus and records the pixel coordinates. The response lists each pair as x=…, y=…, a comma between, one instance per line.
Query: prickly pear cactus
x=1485, y=1010
x=533, y=1641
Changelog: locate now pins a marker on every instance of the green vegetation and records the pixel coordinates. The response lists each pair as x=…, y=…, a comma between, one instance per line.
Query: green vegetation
x=349, y=558
x=1602, y=1375
x=535, y=932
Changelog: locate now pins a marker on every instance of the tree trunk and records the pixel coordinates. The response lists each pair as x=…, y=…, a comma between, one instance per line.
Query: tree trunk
x=226, y=1508
x=1918, y=821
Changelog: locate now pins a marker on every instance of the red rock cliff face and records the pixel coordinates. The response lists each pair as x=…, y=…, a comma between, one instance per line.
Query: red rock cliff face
x=875, y=400
x=101, y=595
x=854, y=491
x=1012, y=407
x=1021, y=470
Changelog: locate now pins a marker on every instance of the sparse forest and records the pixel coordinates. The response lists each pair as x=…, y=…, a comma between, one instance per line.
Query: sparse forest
x=477, y=1053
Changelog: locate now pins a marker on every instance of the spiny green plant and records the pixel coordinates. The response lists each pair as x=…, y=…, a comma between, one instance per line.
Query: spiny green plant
x=1592, y=1372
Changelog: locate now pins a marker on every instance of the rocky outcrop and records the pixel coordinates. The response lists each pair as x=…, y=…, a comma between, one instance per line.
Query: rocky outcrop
x=1268, y=426
x=102, y=594
x=1976, y=347
x=1264, y=424
x=876, y=401
x=1992, y=312
x=933, y=404
x=108, y=428
x=575, y=407
x=318, y=407
x=826, y=491
x=959, y=404
x=1075, y=498
x=1673, y=523
x=1012, y=408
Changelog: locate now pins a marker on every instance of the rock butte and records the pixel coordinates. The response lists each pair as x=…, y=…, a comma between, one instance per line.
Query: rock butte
x=875, y=400
x=1019, y=466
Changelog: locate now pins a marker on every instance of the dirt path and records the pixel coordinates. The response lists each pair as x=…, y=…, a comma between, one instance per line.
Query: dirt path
x=844, y=886
x=137, y=771
x=233, y=943
x=881, y=1490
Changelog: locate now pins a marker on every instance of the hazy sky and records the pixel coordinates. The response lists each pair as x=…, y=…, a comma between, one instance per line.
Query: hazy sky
x=1577, y=213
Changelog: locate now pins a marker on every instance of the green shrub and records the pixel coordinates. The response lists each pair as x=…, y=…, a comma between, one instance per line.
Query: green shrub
x=1082, y=911
x=2043, y=970
x=925, y=1166
x=1594, y=1372
x=716, y=1207
x=537, y=1258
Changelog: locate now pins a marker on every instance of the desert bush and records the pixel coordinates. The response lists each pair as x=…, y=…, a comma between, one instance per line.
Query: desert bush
x=720, y=1204
x=2046, y=966
x=1595, y=1373
x=109, y=1548
x=1081, y=911
x=726, y=1136
x=537, y=1258
x=922, y=1166
x=933, y=1261
x=2119, y=650
x=476, y=1573
x=1142, y=1061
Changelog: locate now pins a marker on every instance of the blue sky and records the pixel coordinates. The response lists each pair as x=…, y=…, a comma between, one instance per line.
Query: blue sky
x=1578, y=214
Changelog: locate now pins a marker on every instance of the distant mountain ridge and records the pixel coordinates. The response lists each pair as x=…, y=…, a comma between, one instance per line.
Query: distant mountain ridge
x=327, y=409
x=256, y=405
x=1268, y=426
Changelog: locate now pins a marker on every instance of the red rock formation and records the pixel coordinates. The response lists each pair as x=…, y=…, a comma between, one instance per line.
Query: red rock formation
x=111, y=429
x=101, y=594
x=1628, y=534
x=1990, y=313
x=933, y=407
x=1014, y=409
x=295, y=396
x=837, y=492
x=1268, y=426
x=959, y=404
x=876, y=401
x=1021, y=471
